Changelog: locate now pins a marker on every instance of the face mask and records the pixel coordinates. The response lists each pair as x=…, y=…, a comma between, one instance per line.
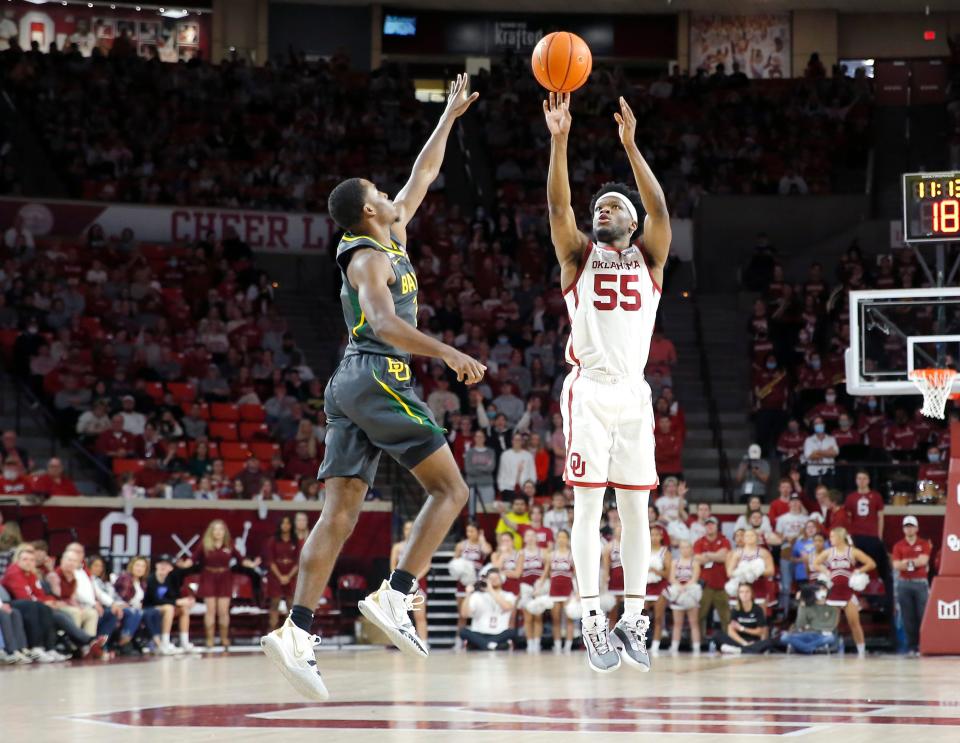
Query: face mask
x=771, y=365
x=934, y=457
x=815, y=363
x=819, y=428
x=831, y=399
x=821, y=595
x=9, y=474
x=872, y=404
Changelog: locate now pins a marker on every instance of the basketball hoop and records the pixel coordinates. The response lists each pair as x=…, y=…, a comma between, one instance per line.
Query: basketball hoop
x=935, y=385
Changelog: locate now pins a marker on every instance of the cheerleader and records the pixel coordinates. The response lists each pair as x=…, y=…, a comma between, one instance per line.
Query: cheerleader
x=475, y=549
x=560, y=572
x=419, y=617
x=507, y=560
x=841, y=563
x=661, y=563
x=533, y=564
x=215, y=555
x=764, y=589
x=684, y=596
x=282, y=558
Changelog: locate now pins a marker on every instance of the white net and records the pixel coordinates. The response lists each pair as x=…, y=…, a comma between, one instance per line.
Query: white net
x=935, y=384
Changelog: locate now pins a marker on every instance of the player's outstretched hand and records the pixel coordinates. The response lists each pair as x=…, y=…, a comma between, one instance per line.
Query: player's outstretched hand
x=626, y=123
x=556, y=110
x=458, y=101
x=468, y=369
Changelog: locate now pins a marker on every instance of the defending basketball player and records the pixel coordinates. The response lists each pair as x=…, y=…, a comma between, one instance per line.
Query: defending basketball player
x=612, y=289
x=371, y=407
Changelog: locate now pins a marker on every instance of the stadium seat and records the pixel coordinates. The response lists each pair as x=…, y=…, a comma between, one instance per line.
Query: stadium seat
x=286, y=489
x=254, y=431
x=264, y=450
x=155, y=390
x=212, y=447
x=222, y=411
x=253, y=413
x=242, y=587
x=182, y=391
x=233, y=467
x=122, y=466
x=234, y=450
x=223, y=431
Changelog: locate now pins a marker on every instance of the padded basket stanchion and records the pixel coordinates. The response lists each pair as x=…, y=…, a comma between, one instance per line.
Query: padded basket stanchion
x=935, y=385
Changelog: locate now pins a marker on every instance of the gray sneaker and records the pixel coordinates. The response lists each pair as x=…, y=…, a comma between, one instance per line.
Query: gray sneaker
x=602, y=657
x=631, y=631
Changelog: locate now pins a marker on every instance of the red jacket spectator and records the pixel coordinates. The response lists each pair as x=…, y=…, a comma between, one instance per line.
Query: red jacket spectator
x=26, y=586
x=830, y=412
x=116, y=442
x=669, y=447
x=301, y=464
x=53, y=481
x=812, y=379
x=714, y=574
x=864, y=508
x=903, y=550
x=790, y=443
x=900, y=437
x=871, y=425
x=771, y=390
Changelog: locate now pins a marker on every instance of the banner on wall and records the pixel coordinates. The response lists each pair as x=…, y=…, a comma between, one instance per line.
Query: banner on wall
x=265, y=232
x=144, y=33
x=759, y=43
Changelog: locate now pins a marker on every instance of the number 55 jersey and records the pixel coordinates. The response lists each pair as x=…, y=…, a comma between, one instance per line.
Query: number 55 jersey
x=607, y=411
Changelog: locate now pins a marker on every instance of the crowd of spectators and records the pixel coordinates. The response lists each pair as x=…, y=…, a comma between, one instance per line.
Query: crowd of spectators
x=803, y=417
x=170, y=364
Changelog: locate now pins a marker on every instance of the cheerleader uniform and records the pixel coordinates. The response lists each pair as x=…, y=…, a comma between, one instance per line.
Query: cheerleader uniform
x=684, y=574
x=764, y=590
x=841, y=566
x=532, y=567
x=561, y=576
x=615, y=586
x=656, y=587
x=285, y=556
x=474, y=554
x=506, y=565
x=216, y=578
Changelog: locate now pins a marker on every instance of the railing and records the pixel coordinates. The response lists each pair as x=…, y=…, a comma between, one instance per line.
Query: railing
x=713, y=416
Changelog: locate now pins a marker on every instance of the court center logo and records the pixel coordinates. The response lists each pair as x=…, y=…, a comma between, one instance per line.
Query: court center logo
x=578, y=465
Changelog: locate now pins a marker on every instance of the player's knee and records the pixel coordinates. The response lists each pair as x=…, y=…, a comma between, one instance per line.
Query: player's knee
x=457, y=492
x=341, y=524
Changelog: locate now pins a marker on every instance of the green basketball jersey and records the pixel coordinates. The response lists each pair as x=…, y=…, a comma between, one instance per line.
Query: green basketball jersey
x=361, y=338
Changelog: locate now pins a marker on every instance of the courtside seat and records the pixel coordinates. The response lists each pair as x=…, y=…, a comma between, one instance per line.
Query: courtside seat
x=253, y=413
x=224, y=411
x=232, y=468
x=264, y=450
x=235, y=450
x=254, y=432
x=183, y=392
x=223, y=431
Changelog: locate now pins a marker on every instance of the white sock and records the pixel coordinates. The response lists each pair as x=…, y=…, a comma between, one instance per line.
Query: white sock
x=585, y=545
x=861, y=649
x=184, y=639
x=165, y=639
x=634, y=546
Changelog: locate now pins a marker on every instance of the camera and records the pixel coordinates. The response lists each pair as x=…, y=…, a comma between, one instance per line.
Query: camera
x=480, y=585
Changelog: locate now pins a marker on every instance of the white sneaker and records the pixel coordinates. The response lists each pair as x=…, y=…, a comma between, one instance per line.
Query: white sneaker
x=189, y=647
x=730, y=649
x=389, y=610
x=292, y=651
x=22, y=658
x=8, y=659
x=602, y=657
x=631, y=634
x=170, y=649
x=49, y=656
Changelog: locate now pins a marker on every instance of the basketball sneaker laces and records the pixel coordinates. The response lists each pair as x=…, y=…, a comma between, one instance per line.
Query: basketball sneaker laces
x=598, y=637
x=637, y=632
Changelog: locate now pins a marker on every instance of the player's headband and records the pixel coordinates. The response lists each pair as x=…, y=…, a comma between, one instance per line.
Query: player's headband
x=627, y=204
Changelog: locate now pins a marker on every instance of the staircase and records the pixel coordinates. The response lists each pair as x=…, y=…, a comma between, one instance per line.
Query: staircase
x=442, y=603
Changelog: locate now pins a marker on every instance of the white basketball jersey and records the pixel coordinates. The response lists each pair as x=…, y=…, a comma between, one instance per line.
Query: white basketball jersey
x=612, y=305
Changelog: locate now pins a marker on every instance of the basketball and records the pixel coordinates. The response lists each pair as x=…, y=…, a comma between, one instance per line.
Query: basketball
x=561, y=62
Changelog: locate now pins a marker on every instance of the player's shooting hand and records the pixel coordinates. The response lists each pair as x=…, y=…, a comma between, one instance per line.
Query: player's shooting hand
x=468, y=369
x=458, y=101
x=556, y=110
x=626, y=123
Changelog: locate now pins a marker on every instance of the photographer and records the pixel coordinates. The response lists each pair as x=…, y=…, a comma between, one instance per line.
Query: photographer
x=753, y=474
x=489, y=608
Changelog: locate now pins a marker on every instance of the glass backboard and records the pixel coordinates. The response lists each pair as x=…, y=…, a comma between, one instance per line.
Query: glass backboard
x=893, y=331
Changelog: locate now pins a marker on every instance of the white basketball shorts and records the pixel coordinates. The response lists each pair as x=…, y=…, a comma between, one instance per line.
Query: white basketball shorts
x=608, y=426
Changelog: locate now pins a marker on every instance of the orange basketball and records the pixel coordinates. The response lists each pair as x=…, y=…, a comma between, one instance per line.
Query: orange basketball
x=561, y=62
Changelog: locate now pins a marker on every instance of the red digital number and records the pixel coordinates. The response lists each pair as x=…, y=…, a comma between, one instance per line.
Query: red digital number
x=628, y=299
x=946, y=216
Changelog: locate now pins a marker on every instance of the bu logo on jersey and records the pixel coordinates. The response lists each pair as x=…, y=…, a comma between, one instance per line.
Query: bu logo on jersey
x=577, y=465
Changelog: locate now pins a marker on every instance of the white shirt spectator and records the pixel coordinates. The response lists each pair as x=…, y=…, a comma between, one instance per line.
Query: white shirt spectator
x=819, y=442
x=486, y=616
x=91, y=424
x=516, y=467
x=669, y=507
x=790, y=525
x=13, y=237
x=557, y=521
x=741, y=523
x=133, y=422
x=84, y=594
x=792, y=184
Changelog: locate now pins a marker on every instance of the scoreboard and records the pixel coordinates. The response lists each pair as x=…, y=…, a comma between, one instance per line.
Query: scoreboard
x=931, y=207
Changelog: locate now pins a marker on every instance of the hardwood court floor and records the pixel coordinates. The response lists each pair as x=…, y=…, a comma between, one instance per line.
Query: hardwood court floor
x=381, y=696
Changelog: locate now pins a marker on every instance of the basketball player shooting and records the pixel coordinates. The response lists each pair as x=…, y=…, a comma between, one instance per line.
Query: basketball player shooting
x=371, y=407
x=612, y=289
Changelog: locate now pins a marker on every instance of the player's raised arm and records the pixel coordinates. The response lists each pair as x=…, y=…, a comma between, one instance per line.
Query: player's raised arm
x=568, y=241
x=427, y=166
x=656, y=225
x=370, y=273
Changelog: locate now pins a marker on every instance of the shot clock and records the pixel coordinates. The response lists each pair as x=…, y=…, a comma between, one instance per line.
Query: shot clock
x=931, y=207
